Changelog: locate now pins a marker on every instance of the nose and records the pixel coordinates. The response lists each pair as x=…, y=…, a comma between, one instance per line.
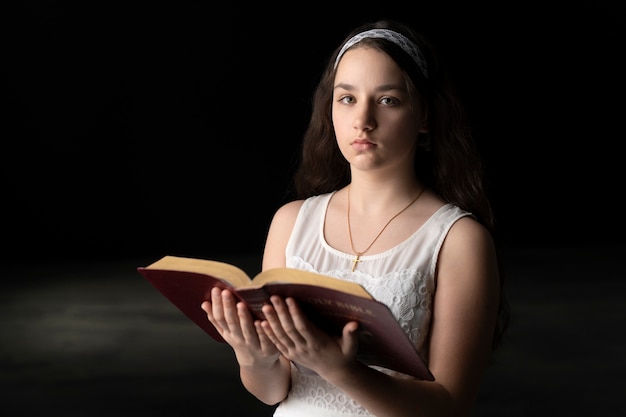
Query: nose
x=364, y=117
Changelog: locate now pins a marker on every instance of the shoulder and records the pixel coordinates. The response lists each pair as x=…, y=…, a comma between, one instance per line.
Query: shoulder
x=469, y=252
x=278, y=234
x=468, y=237
x=282, y=225
x=287, y=213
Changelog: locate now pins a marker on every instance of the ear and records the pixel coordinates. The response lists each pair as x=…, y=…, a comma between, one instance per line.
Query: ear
x=423, y=141
x=423, y=137
x=424, y=125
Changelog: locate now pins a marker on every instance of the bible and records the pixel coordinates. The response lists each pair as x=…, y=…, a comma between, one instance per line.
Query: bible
x=328, y=302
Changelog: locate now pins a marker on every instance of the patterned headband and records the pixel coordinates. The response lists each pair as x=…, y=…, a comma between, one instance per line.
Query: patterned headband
x=399, y=39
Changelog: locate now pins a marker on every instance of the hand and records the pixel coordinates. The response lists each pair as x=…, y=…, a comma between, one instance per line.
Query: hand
x=300, y=341
x=236, y=325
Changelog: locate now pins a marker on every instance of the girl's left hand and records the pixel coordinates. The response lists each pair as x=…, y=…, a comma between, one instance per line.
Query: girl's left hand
x=300, y=341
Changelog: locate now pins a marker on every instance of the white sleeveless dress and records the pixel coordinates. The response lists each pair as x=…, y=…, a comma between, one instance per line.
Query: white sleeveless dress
x=401, y=277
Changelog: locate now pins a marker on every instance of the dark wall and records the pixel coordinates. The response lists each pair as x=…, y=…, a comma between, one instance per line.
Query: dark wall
x=174, y=128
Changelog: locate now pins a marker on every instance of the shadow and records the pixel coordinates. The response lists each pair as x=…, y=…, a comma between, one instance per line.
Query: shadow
x=95, y=338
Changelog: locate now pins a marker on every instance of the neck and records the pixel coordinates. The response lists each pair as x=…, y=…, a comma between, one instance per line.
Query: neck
x=368, y=197
x=359, y=253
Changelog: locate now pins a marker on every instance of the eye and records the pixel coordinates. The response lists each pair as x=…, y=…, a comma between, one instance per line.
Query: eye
x=388, y=101
x=346, y=99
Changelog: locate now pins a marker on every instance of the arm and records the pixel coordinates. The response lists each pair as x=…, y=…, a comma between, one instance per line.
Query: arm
x=257, y=357
x=464, y=316
x=263, y=371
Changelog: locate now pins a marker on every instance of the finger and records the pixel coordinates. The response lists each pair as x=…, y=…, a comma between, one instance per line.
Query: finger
x=349, y=343
x=304, y=328
x=231, y=315
x=246, y=324
x=285, y=328
x=214, y=310
x=273, y=329
x=266, y=343
x=264, y=328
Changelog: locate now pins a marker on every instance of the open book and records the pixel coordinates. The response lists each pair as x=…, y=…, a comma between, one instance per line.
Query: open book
x=327, y=301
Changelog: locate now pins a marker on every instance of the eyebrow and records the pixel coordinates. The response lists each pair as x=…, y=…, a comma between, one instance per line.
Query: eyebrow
x=384, y=87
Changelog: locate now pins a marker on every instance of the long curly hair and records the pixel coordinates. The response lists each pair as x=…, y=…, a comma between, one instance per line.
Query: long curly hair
x=451, y=166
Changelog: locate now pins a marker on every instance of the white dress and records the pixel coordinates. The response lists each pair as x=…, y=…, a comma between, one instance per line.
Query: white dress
x=401, y=277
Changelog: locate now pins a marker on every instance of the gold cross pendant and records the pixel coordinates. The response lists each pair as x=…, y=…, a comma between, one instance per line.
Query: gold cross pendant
x=354, y=261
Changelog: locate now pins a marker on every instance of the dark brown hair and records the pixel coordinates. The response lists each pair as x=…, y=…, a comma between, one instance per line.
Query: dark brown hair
x=452, y=167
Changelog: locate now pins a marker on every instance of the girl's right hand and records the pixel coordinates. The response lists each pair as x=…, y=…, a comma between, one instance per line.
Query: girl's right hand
x=235, y=323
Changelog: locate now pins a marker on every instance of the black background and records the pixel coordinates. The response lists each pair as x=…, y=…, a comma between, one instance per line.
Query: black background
x=140, y=129
x=131, y=130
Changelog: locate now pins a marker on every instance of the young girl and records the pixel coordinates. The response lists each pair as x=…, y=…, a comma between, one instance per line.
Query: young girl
x=391, y=197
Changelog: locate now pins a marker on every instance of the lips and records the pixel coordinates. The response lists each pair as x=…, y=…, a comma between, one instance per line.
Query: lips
x=362, y=144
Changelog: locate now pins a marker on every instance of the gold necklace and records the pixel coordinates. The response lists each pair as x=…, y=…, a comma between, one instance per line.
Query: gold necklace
x=358, y=254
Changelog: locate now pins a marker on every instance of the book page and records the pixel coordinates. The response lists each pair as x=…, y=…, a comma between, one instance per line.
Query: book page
x=237, y=277
x=297, y=276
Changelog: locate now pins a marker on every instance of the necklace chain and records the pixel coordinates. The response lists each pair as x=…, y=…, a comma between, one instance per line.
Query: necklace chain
x=358, y=254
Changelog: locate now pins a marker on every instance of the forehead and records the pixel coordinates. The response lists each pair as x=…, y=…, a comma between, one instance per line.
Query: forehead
x=371, y=63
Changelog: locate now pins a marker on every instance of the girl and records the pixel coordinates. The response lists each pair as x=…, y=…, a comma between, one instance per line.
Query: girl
x=391, y=196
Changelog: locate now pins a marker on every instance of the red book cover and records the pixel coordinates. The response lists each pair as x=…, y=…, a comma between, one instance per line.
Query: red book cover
x=329, y=302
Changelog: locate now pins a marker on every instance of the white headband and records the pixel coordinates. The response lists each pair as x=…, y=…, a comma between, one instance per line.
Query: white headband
x=399, y=39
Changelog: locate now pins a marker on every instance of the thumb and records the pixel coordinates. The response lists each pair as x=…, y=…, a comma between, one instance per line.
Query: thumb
x=350, y=339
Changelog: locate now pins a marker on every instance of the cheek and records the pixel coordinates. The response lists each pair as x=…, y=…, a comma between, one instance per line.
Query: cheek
x=404, y=133
x=405, y=125
x=339, y=121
